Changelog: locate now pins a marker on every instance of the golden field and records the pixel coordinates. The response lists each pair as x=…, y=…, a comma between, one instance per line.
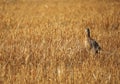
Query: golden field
x=42, y=42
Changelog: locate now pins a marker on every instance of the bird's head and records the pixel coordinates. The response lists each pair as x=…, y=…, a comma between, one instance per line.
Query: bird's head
x=87, y=31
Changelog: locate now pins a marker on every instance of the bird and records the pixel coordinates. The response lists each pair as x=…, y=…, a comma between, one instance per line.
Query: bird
x=90, y=43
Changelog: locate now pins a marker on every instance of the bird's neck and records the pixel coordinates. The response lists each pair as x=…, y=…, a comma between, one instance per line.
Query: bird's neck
x=88, y=35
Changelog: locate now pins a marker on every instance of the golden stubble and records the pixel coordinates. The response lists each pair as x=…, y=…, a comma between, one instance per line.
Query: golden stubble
x=42, y=42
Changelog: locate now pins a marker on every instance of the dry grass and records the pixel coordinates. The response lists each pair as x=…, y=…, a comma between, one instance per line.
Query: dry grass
x=41, y=42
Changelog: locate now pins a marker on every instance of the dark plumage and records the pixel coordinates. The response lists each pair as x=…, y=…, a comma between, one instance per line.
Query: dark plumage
x=91, y=44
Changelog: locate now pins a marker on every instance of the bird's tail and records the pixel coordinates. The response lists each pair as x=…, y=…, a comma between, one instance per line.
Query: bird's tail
x=99, y=48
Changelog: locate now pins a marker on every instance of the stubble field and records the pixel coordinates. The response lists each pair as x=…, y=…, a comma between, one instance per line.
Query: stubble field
x=42, y=42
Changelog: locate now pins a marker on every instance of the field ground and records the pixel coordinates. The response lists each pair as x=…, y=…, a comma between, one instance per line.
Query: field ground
x=42, y=42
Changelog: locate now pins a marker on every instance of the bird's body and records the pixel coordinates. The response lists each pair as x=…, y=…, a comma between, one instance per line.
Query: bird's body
x=91, y=44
